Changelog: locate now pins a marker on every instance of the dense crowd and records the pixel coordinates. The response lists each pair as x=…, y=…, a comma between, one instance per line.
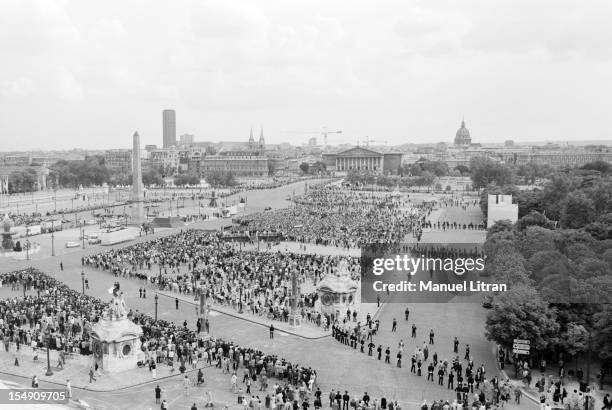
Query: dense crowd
x=56, y=312
x=336, y=217
x=258, y=283
x=61, y=318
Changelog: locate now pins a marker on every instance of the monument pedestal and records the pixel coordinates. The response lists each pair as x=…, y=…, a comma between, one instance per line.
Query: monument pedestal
x=137, y=216
x=116, y=344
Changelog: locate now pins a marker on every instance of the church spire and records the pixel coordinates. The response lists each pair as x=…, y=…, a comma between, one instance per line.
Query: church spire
x=262, y=142
x=251, y=139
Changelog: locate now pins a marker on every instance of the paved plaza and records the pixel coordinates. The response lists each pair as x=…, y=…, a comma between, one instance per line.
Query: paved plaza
x=339, y=366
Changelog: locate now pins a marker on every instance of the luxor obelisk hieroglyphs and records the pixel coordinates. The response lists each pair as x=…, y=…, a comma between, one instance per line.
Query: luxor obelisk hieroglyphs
x=137, y=186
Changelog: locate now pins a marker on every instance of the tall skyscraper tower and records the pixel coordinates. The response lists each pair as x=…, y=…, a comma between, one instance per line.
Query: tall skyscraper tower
x=169, y=128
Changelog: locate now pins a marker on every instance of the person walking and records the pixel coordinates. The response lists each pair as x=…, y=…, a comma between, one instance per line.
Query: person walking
x=186, y=383
x=271, y=331
x=68, y=389
x=176, y=303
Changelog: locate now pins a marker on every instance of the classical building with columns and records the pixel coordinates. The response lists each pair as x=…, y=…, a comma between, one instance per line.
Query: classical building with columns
x=363, y=159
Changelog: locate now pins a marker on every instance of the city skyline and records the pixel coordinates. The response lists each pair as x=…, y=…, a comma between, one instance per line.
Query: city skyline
x=399, y=72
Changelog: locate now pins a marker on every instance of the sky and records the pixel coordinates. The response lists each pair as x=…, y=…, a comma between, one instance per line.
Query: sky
x=84, y=74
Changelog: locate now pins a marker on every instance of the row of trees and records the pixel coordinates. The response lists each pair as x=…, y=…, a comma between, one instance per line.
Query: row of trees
x=93, y=171
x=220, y=179
x=575, y=199
x=23, y=180
x=485, y=171
x=560, y=279
x=368, y=178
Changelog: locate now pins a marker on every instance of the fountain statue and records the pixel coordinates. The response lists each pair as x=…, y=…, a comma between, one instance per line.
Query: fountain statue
x=116, y=339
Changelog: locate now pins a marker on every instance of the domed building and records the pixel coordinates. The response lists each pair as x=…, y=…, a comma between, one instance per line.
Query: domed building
x=462, y=137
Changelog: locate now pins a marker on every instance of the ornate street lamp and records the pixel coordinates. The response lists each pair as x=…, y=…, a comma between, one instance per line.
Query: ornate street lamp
x=156, y=299
x=240, y=301
x=48, y=340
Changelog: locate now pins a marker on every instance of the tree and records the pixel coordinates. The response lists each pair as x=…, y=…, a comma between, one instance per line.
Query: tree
x=186, y=179
x=554, y=192
x=536, y=239
x=531, y=171
x=319, y=166
x=544, y=263
x=487, y=171
x=600, y=166
x=23, y=180
x=426, y=179
x=575, y=340
x=603, y=332
x=88, y=172
x=304, y=167
x=577, y=211
x=521, y=313
x=221, y=179
x=508, y=266
x=528, y=201
x=499, y=241
x=500, y=226
x=534, y=218
x=152, y=177
x=462, y=169
x=601, y=196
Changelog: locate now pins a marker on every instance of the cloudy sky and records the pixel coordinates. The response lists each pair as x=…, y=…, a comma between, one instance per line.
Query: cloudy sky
x=87, y=74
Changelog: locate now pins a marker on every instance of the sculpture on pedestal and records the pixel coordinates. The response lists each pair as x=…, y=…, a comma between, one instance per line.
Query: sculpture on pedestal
x=116, y=339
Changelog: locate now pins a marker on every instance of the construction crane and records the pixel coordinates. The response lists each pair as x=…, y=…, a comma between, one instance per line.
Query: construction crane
x=326, y=132
x=368, y=140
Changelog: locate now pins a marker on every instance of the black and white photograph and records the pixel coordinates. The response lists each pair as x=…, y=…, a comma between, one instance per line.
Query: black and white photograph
x=305, y=204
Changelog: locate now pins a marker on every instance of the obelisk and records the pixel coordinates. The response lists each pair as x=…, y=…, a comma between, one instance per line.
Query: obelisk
x=137, y=186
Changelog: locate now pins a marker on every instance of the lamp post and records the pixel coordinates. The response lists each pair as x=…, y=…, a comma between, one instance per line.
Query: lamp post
x=52, y=242
x=240, y=301
x=83, y=280
x=48, y=339
x=27, y=249
x=156, y=299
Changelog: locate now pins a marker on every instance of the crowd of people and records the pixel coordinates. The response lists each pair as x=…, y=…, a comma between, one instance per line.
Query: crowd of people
x=458, y=373
x=61, y=318
x=336, y=217
x=55, y=315
x=259, y=283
